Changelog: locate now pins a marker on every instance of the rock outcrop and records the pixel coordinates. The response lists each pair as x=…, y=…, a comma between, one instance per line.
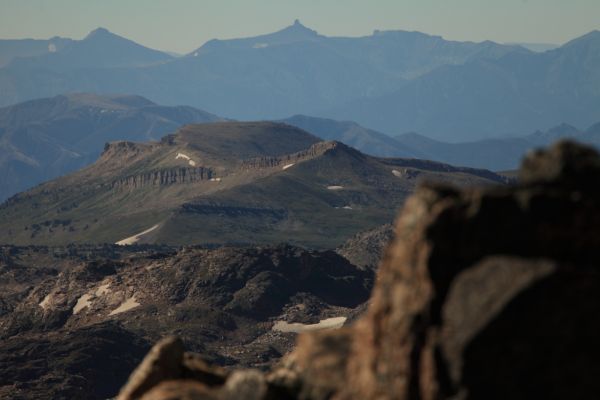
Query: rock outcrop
x=488, y=293
x=163, y=177
x=366, y=249
x=314, y=150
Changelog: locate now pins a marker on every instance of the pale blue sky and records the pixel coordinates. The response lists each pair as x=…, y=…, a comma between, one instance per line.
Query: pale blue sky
x=183, y=25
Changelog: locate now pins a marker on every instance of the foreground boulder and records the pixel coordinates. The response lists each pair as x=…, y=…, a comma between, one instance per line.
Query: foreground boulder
x=489, y=293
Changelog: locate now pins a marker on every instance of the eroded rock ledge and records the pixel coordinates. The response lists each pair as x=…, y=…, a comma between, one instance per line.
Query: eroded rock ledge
x=490, y=293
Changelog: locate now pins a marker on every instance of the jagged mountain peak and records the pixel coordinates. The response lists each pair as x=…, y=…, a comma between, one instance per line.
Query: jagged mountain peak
x=298, y=27
x=296, y=32
x=292, y=33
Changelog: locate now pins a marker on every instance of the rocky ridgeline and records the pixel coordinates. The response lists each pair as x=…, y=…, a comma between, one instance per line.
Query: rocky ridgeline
x=313, y=151
x=489, y=293
x=125, y=152
x=164, y=177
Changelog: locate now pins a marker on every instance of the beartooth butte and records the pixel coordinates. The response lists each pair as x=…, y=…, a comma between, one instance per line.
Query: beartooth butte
x=224, y=182
x=485, y=293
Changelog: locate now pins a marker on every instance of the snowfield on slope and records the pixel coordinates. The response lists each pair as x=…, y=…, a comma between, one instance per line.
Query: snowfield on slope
x=135, y=238
x=186, y=157
x=125, y=306
x=296, y=327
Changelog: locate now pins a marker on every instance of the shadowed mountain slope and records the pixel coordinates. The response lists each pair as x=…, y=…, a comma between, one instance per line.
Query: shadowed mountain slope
x=498, y=153
x=76, y=320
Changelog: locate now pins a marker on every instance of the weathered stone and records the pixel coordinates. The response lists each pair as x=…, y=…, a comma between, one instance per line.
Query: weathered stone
x=194, y=367
x=245, y=384
x=319, y=363
x=163, y=362
x=181, y=390
x=566, y=162
x=479, y=270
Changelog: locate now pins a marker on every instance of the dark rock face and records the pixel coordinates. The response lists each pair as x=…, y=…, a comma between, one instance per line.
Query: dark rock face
x=484, y=293
x=365, y=249
x=92, y=362
x=164, y=177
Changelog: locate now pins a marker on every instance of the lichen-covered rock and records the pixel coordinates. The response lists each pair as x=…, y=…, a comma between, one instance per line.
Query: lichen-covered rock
x=467, y=298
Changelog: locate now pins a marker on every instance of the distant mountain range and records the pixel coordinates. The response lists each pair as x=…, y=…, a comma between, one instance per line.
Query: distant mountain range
x=392, y=81
x=99, y=50
x=46, y=138
x=348, y=132
x=495, y=154
x=223, y=182
x=484, y=98
x=537, y=47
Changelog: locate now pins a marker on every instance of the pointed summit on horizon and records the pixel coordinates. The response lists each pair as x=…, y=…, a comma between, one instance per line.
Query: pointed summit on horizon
x=295, y=31
x=99, y=32
x=100, y=48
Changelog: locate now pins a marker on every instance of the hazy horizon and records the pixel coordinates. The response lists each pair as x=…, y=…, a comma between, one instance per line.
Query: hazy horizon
x=186, y=25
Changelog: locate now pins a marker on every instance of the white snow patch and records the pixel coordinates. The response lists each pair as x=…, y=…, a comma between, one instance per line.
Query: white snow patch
x=397, y=173
x=335, y=187
x=260, y=45
x=135, y=238
x=288, y=166
x=329, y=323
x=46, y=302
x=82, y=302
x=102, y=289
x=125, y=306
x=215, y=179
x=186, y=157
x=347, y=208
